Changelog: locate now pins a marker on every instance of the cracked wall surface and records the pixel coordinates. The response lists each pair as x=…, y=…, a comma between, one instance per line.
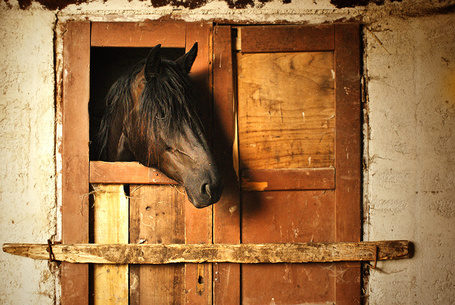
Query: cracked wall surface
x=409, y=144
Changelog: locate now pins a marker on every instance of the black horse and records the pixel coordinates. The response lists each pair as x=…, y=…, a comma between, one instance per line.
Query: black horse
x=150, y=117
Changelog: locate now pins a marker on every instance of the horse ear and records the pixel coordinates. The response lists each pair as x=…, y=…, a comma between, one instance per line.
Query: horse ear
x=153, y=65
x=187, y=60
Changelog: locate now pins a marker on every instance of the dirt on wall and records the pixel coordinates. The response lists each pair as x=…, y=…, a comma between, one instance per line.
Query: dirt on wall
x=237, y=4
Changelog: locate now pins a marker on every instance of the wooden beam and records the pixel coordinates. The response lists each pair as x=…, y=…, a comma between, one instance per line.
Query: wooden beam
x=139, y=34
x=126, y=173
x=216, y=253
x=284, y=38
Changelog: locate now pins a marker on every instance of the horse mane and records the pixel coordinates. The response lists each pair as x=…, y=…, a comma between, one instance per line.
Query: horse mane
x=162, y=108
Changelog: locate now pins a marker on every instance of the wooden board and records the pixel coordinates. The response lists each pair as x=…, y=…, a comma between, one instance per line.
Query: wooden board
x=302, y=216
x=348, y=155
x=110, y=226
x=226, y=213
x=288, y=179
x=286, y=110
x=138, y=34
x=126, y=172
x=75, y=154
x=156, y=217
x=232, y=253
x=285, y=38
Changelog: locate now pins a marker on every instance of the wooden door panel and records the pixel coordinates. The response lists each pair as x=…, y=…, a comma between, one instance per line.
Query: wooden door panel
x=156, y=217
x=296, y=107
x=288, y=284
x=289, y=217
x=286, y=109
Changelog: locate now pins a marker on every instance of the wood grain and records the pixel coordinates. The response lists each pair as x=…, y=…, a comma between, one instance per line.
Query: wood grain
x=216, y=253
x=75, y=156
x=126, y=172
x=286, y=110
x=156, y=217
x=138, y=34
x=288, y=179
x=286, y=38
x=226, y=212
x=110, y=225
x=348, y=155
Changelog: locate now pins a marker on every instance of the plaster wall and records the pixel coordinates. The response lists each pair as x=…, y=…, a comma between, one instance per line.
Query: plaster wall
x=409, y=193
x=27, y=171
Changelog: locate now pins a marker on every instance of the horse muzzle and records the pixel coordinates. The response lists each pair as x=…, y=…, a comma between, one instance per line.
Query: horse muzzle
x=206, y=193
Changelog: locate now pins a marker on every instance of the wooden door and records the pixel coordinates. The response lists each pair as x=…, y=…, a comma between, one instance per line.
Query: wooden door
x=283, y=113
x=288, y=98
x=132, y=204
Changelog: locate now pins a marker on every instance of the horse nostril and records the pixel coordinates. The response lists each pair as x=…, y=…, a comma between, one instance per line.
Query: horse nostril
x=206, y=189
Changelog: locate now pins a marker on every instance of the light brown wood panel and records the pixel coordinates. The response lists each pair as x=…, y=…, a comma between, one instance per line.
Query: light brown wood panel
x=110, y=226
x=286, y=110
x=157, y=217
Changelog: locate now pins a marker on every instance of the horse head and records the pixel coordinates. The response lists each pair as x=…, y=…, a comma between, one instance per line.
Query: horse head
x=161, y=128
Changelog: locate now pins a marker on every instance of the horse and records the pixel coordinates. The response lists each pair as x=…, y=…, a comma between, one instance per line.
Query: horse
x=150, y=117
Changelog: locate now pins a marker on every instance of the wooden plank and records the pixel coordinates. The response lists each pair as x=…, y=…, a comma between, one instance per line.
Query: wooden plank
x=216, y=253
x=156, y=217
x=283, y=38
x=348, y=155
x=286, y=110
x=126, y=172
x=110, y=225
x=226, y=212
x=198, y=222
x=138, y=34
x=288, y=217
x=288, y=179
x=75, y=155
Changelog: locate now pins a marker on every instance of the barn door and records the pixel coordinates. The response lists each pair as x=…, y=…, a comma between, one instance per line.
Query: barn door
x=131, y=203
x=288, y=98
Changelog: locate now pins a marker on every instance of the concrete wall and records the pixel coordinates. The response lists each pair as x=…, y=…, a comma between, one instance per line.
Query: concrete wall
x=409, y=193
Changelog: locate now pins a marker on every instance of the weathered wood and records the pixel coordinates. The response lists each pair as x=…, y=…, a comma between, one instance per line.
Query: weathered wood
x=348, y=155
x=75, y=156
x=288, y=179
x=285, y=38
x=198, y=222
x=286, y=110
x=217, y=253
x=156, y=217
x=138, y=34
x=226, y=212
x=127, y=173
x=110, y=225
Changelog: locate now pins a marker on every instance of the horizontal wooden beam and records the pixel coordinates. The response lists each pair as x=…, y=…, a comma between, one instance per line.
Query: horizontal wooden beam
x=138, y=34
x=126, y=173
x=288, y=179
x=284, y=38
x=215, y=253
